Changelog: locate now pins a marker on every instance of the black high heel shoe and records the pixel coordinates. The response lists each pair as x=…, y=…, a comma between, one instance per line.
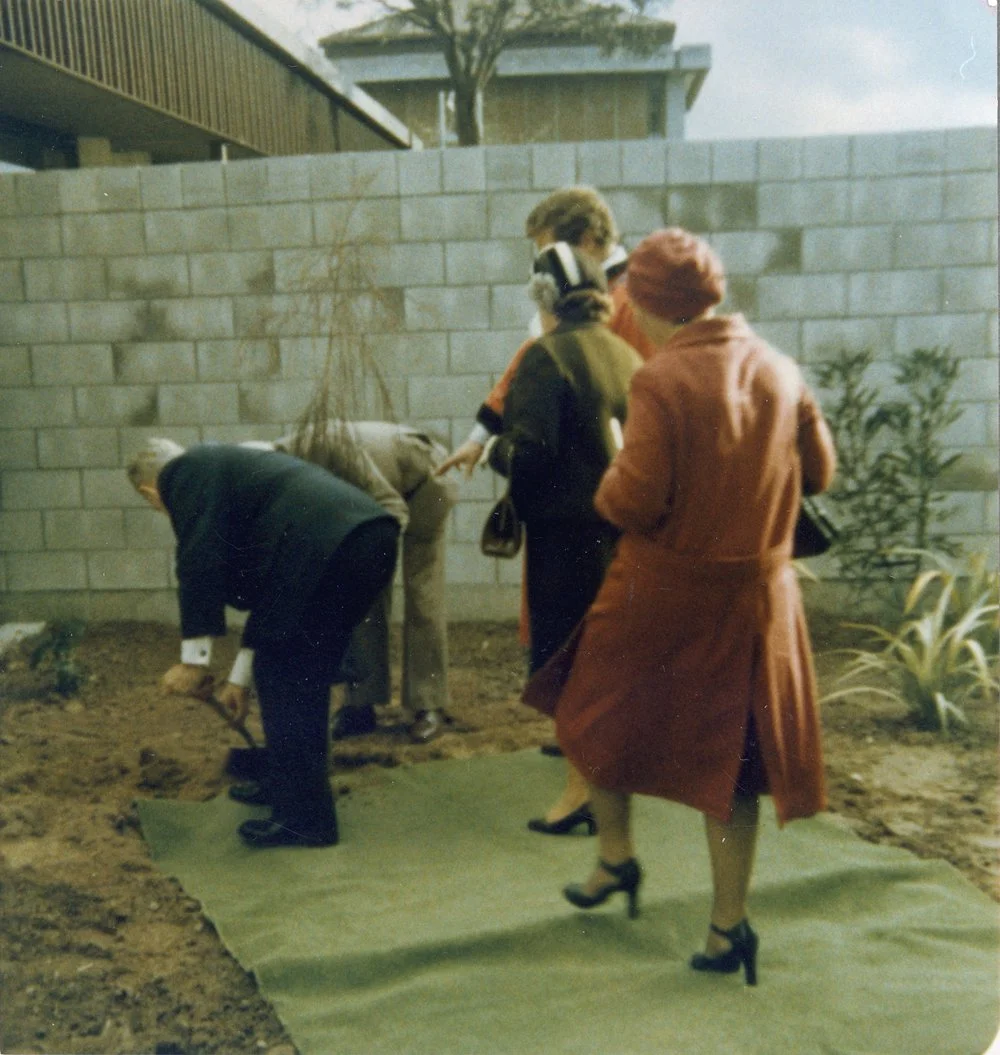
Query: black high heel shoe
x=565, y=825
x=628, y=876
x=742, y=952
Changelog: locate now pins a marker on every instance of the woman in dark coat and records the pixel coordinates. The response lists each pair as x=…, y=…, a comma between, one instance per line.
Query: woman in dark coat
x=562, y=424
x=691, y=678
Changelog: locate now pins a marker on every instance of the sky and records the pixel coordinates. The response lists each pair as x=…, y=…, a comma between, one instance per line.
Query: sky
x=812, y=67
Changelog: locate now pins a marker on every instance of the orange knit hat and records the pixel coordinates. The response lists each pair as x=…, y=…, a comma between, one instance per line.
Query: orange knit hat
x=675, y=275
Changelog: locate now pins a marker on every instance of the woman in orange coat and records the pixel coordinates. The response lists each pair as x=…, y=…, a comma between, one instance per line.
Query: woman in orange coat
x=691, y=676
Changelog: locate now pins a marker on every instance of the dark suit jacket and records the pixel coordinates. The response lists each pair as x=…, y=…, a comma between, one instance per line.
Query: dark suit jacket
x=255, y=530
x=557, y=437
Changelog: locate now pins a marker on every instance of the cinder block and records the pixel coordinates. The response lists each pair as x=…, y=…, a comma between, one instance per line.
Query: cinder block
x=873, y=155
x=921, y=152
x=255, y=183
x=741, y=296
x=148, y=276
x=452, y=217
x=35, y=407
x=22, y=531
x=599, y=164
x=722, y=207
x=213, y=274
x=813, y=203
x=128, y=570
x=759, y=252
x=194, y=319
x=147, y=529
x=120, y=320
x=637, y=212
x=15, y=367
x=826, y=338
x=905, y=199
x=734, y=161
x=801, y=296
x=160, y=186
x=186, y=231
x=305, y=358
x=202, y=185
x=978, y=379
x=11, y=280
x=300, y=315
x=77, y=448
x=110, y=488
x=553, y=165
x=964, y=513
x=942, y=245
x=154, y=363
x=969, y=289
x=340, y=223
x=274, y=403
x=133, y=405
x=199, y=404
x=104, y=234
x=826, y=157
x=780, y=159
x=37, y=193
x=8, y=194
x=848, y=248
x=24, y=236
x=507, y=168
x=72, y=279
x=970, y=148
x=243, y=433
x=403, y=264
x=473, y=263
x=477, y=352
x=100, y=190
x=785, y=336
x=104, y=491
x=18, y=449
x=85, y=529
x=644, y=163
x=76, y=364
x=374, y=174
x=967, y=335
x=410, y=355
x=270, y=226
x=330, y=176
x=511, y=308
x=431, y=397
x=508, y=212
x=441, y=308
x=688, y=162
x=972, y=429
x=238, y=360
x=467, y=521
x=46, y=571
x=894, y=293
x=41, y=489
x=420, y=172
x=464, y=169
x=466, y=564
x=970, y=197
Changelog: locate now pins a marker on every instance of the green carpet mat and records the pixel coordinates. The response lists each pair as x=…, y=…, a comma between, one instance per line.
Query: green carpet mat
x=437, y=926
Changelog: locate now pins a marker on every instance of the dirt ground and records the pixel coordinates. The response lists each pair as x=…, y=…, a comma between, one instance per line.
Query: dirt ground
x=101, y=953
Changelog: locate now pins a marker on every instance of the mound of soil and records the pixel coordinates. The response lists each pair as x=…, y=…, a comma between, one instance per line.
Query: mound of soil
x=102, y=954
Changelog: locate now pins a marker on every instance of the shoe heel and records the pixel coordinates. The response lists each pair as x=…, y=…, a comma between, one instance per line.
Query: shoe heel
x=633, y=902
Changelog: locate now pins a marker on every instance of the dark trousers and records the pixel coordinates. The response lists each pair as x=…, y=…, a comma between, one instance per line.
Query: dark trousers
x=293, y=677
x=566, y=562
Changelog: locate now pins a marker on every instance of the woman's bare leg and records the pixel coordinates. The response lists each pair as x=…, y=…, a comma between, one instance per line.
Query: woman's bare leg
x=731, y=849
x=575, y=794
x=613, y=813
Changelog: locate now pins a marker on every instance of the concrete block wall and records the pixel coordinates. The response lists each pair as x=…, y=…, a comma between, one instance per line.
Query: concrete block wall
x=169, y=300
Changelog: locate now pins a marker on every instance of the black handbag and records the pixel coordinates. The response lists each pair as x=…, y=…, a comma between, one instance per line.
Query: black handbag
x=815, y=530
x=503, y=531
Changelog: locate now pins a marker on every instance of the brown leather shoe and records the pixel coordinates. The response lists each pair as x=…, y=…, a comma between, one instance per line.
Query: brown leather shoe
x=426, y=726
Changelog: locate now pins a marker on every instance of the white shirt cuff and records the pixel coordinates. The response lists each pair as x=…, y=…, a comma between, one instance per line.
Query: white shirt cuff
x=242, y=672
x=479, y=434
x=197, y=651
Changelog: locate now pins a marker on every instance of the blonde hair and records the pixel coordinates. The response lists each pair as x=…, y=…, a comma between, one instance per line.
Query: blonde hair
x=146, y=466
x=571, y=214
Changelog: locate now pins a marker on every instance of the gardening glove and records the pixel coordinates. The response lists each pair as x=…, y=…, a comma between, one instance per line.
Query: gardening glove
x=235, y=701
x=188, y=679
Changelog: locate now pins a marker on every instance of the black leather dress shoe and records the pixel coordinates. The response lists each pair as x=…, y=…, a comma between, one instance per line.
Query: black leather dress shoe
x=250, y=793
x=426, y=726
x=353, y=721
x=551, y=750
x=261, y=834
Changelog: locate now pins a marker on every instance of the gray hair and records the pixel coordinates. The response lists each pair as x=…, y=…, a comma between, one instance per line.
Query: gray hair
x=146, y=466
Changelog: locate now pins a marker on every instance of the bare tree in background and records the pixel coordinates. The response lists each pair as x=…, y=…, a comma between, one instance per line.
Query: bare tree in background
x=472, y=34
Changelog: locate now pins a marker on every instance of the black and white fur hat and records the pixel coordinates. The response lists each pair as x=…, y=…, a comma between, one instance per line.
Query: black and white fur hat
x=558, y=271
